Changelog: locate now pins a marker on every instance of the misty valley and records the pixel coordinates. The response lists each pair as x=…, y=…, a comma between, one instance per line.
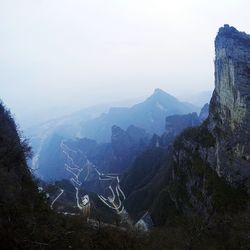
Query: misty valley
x=72, y=166
x=158, y=174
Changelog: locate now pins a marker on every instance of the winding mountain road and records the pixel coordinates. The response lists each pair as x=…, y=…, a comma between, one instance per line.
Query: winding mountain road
x=57, y=197
x=117, y=195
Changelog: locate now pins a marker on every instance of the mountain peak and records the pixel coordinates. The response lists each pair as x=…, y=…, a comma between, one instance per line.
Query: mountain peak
x=229, y=111
x=158, y=90
x=160, y=94
x=227, y=29
x=228, y=35
x=232, y=65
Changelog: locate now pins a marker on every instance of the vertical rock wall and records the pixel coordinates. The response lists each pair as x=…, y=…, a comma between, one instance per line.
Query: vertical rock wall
x=229, y=117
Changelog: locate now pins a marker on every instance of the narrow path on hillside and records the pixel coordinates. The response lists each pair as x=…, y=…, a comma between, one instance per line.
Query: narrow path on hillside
x=61, y=192
x=116, y=197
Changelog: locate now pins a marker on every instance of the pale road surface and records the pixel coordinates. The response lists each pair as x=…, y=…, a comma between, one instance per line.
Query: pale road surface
x=61, y=192
x=117, y=195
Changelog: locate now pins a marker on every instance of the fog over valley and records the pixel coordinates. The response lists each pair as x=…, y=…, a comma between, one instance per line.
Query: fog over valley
x=60, y=56
x=124, y=125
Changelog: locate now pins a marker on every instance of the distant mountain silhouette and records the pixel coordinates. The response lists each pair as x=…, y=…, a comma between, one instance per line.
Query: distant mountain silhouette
x=149, y=115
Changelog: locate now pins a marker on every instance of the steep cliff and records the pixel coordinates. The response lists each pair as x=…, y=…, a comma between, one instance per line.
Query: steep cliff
x=199, y=185
x=210, y=167
x=229, y=117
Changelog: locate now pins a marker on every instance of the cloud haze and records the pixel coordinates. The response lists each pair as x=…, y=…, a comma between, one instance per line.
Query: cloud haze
x=76, y=53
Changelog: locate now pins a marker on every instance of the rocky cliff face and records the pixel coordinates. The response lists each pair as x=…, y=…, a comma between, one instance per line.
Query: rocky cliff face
x=207, y=174
x=229, y=118
x=232, y=72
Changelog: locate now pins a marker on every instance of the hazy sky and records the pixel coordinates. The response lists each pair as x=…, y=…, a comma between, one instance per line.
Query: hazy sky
x=75, y=53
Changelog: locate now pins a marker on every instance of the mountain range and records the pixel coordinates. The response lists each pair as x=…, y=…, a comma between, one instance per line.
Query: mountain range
x=149, y=116
x=204, y=177
x=183, y=183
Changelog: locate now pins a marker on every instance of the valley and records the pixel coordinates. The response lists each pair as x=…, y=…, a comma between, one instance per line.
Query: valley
x=161, y=174
x=101, y=167
x=113, y=182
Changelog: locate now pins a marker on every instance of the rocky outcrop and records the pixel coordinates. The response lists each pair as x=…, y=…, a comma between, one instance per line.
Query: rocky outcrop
x=211, y=163
x=209, y=173
x=229, y=117
x=232, y=73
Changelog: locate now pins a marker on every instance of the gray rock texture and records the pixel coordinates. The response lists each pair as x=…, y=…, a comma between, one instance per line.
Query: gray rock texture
x=210, y=169
x=229, y=117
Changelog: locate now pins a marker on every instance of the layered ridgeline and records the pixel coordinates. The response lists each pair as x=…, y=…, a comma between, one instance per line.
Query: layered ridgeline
x=149, y=116
x=27, y=221
x=204, y=179
x=113, y=157
x=194, y=188
x=96, y=169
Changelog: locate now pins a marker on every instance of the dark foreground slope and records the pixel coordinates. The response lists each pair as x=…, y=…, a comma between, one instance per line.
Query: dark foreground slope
x=26, y=221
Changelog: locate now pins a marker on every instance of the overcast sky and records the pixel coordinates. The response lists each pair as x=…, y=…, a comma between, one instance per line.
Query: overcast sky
x=76, y=53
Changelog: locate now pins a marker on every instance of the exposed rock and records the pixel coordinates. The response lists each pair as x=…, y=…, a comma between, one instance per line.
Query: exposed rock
x=210, y=167
x=229, y=118
x=206, y=174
